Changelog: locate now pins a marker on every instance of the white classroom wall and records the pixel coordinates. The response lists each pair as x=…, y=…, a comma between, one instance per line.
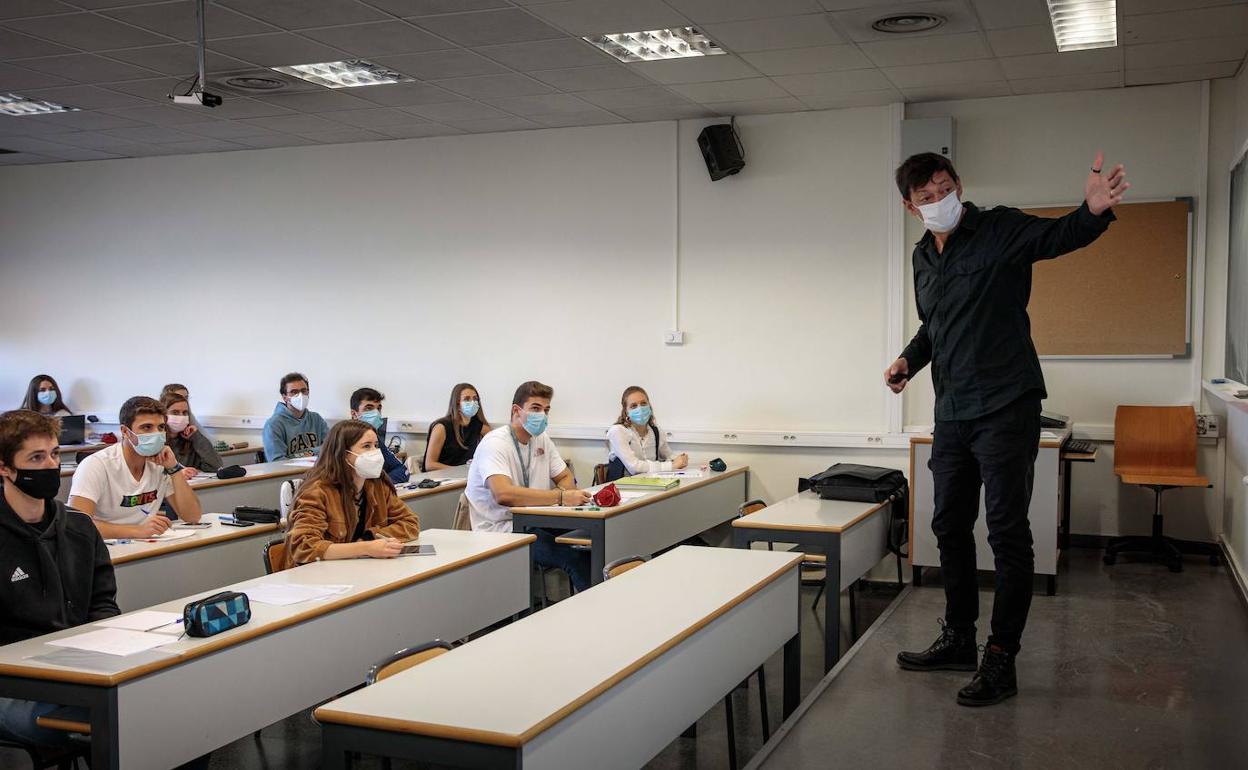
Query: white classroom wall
x=396, y=264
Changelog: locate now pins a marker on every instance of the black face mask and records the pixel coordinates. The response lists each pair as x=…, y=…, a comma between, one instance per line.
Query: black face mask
x=39, y=483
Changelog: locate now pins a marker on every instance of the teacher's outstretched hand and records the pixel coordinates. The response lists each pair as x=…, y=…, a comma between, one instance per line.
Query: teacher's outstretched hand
x=1103, y=190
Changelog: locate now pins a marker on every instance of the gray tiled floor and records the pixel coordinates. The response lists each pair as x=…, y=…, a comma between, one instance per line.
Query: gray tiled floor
x=1129, y=666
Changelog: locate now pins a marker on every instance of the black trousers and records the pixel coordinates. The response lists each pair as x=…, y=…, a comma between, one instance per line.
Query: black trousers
x=998, y=453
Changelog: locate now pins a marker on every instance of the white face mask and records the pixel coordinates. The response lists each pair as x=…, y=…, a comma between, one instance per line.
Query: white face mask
x=299, y=402
x=177, y=422
x=943, y=215
x=369, y=464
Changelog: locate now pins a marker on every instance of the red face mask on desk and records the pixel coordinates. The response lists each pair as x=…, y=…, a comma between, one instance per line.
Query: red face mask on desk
x=607, y=496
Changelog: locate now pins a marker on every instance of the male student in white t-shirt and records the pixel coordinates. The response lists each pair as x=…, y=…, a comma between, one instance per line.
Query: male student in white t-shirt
x=518, y=465
x=121, y=487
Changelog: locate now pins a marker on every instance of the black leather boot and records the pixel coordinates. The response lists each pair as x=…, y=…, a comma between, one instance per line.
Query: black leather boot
x=953, y=650
x=994, y=682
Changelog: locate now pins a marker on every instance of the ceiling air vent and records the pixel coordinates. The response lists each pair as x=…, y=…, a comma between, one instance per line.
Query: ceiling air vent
x=254, y=83
x=904, y=23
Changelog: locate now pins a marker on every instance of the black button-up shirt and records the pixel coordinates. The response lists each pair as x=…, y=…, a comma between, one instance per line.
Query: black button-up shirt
x=972, y=299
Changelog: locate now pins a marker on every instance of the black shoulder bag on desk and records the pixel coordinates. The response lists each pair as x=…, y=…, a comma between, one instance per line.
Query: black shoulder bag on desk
x=867, y=484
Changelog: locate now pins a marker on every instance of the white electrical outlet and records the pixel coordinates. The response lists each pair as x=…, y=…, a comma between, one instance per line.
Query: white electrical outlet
x=674, y=338
x=1208, y=426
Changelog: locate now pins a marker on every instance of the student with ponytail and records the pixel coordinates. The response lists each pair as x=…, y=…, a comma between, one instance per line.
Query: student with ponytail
x=635, y=443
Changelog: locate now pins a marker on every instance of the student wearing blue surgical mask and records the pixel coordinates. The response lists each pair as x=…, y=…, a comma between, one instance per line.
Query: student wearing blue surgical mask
x=517, y=465
x=454, y=437
x=366, y=407
x=635, y=443
x=44, y=396
x=122, y=487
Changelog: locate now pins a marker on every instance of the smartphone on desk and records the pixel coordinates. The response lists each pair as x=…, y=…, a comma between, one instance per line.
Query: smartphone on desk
x=414, y=549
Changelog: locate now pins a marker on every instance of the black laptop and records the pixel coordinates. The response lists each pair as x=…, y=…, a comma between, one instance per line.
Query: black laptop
x=73, y=430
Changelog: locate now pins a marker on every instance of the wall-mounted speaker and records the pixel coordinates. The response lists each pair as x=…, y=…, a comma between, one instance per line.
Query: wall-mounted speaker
x=721, y=149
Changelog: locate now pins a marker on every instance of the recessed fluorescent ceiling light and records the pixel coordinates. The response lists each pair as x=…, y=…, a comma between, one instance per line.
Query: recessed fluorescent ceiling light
x=344, y=74
x=1082, y=24
x=12, y=104
x=654, y=44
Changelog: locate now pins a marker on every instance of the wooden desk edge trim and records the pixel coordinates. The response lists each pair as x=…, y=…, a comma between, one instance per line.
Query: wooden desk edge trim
x=745, y=523
x=112, y=680
x=633, y=505
x=1046, y=443
x=449, y=485
x=189, y=543
x=470, y=735
x=249, y=477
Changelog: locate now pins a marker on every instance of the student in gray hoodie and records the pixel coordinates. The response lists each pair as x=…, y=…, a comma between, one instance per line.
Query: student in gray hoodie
x=293, y=430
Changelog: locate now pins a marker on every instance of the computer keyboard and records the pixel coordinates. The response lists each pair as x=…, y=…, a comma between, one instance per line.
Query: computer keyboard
x=1080, y=447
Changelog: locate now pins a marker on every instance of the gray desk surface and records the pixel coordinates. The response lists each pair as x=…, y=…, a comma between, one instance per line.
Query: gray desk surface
x=484, y=696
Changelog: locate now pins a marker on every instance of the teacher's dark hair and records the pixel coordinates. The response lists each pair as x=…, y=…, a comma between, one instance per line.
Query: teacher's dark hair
x=919, y=169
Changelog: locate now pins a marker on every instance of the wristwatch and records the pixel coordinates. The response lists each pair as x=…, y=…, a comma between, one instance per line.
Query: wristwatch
x=177, y=467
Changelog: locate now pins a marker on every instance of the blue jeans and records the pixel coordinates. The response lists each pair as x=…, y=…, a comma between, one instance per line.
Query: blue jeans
x=17, y=722
x=548, y=553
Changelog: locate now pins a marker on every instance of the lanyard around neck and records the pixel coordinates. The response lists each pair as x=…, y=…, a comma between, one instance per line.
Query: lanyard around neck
x=524, y=466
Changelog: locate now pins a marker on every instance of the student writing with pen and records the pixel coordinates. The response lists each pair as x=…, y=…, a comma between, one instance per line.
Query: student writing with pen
x=121, y=487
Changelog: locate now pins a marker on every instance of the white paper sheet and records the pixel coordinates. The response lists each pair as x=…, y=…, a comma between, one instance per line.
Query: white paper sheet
x=632, y=494
x=141, y=621
x=114, y=641
x=303, y=462
x=283, y=594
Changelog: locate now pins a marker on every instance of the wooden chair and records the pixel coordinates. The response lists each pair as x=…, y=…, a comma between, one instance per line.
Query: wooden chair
x=402, y=661
x=274, y=556
x=60, y=757
x=463, y=518
x=1155, y=447
x=622, y=565
x=600, y=474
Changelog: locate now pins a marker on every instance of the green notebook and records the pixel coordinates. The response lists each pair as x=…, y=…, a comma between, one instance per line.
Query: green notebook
x=657, y=483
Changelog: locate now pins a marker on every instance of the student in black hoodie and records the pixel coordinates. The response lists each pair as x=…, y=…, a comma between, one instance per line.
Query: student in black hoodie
x=55, y=572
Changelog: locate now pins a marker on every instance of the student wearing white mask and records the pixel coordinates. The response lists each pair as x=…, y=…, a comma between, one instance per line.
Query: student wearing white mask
x=635, y=443
x=346, y=507
x=454, y=437
x=189, y=444
x=123, y=486
x=366, y=407
x=293, y=430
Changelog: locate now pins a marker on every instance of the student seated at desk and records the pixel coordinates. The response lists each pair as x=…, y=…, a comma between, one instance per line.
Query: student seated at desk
x=346, y=507
x=518, y=465
x=635, y=444
x=57, y=570
x=43, y=395
x=183, y=391
x=293, y=430
x=454, y=437
x=366, y=407
x=122, y=487
x=189, y=444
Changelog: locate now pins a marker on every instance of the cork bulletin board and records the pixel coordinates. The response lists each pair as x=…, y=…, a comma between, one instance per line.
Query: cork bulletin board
x=1126, y=295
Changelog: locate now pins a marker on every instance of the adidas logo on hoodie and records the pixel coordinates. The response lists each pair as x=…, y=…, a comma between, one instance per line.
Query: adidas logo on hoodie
x=18, y=574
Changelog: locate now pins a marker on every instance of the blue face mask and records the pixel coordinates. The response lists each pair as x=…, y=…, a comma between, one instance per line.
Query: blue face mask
x=535, y=423
x=47, y=397
x=149, y=444
x=640, y=415
x=373, y=418
x=469, y=408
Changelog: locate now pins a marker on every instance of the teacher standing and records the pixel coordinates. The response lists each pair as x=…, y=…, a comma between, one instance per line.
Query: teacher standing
x=972, y=281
